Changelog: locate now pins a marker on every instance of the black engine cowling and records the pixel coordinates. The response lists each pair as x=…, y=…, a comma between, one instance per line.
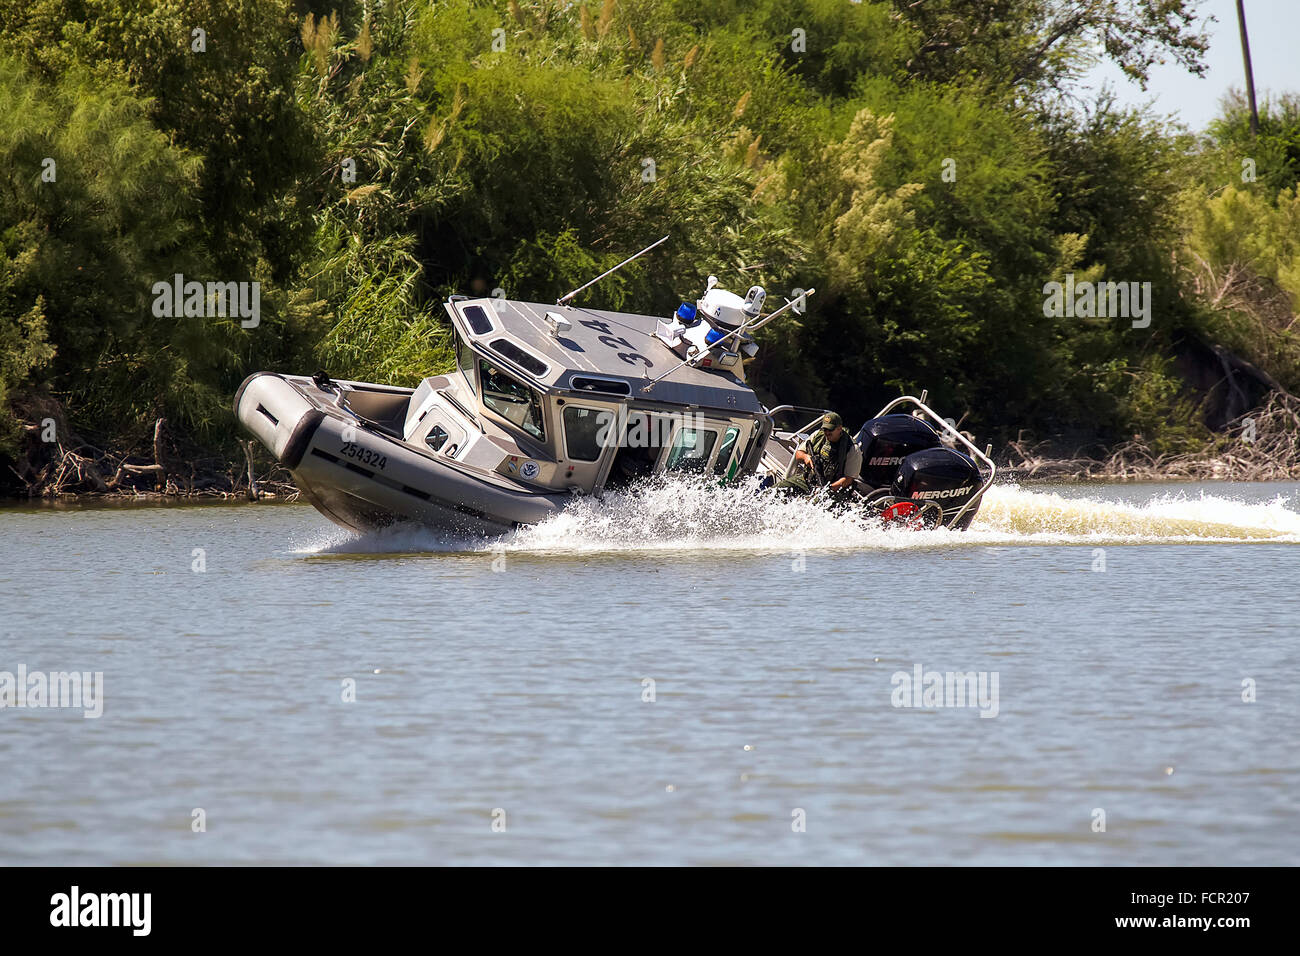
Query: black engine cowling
x=942, y=475
x=888, y=440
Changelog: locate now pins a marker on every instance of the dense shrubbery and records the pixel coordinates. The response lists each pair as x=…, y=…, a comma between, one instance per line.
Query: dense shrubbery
x=915, y=163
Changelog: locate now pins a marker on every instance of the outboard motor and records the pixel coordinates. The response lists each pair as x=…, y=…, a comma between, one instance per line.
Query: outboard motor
x=886, y=441
x=940, y=475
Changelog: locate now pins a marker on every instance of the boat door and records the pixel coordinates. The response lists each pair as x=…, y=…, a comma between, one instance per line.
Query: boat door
x=608, y=444
x=642, y=437
x=588, y=441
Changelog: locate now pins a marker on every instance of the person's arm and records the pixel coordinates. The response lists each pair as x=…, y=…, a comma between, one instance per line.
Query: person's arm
x=852, y=468
x=801, y=454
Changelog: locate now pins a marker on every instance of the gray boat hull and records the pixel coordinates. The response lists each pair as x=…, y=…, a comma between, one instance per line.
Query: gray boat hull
x=364, y=479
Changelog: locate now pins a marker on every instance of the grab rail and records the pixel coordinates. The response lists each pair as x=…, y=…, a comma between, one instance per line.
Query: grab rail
x=817, y=413
x=982, y=456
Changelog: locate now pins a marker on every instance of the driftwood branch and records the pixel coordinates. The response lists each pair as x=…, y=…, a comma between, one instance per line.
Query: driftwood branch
x=72, y=466
x=247, y=446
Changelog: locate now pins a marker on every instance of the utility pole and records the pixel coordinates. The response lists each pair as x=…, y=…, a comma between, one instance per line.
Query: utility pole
x=1250, y=73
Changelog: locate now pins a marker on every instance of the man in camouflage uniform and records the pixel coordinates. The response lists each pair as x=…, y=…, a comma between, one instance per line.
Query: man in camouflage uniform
x=828, y=459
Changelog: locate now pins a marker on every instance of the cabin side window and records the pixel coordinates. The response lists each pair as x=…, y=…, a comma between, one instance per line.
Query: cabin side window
x=691, y=449
x=726, y=451
x=465, y=362
x=584, y=429
x=512, y=400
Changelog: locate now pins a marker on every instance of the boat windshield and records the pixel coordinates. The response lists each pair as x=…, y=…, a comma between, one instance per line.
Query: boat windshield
x=513, y=400
x=690, y=452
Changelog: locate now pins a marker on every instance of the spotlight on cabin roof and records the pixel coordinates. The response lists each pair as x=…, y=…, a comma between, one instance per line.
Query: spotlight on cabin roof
x=558, y=324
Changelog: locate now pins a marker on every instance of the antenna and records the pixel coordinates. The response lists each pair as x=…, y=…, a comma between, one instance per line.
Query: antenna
x=740, y=331
x=564, y=299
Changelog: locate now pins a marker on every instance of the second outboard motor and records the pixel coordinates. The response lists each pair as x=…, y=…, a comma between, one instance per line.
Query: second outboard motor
x=886, y=441
x=946, y=477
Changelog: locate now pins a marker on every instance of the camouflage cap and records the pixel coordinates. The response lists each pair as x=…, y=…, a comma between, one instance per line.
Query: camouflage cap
x=831, y=421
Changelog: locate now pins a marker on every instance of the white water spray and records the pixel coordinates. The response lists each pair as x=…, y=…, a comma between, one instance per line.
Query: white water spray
x=685, y=515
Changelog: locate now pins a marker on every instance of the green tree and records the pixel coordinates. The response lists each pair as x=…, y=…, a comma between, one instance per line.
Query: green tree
x=84, y=239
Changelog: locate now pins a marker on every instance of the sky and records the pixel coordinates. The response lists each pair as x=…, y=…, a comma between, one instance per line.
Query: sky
x=1274, y=28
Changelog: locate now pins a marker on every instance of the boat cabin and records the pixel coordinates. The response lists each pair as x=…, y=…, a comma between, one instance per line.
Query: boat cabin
x=571, y=398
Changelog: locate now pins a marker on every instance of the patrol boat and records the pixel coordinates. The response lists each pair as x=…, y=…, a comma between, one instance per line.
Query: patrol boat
x=546, y=402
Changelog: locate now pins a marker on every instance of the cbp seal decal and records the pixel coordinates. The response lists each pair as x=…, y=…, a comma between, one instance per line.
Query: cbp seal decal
x=529, y=470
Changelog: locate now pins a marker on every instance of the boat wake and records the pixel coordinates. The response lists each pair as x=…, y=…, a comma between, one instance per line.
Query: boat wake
x=681, y=515
x=1019, y=515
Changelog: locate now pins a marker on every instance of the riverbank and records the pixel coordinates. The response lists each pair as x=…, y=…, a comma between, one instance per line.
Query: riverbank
x=174, y=468
x=274, y=483
x=208, y=480
x=1264, y=446
x=1135, y=462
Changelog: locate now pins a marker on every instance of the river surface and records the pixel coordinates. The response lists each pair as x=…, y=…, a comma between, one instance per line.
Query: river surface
x=671, y=678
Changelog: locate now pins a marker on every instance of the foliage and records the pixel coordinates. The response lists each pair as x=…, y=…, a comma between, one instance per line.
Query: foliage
x=1043, y=43
x=118, y=204
x=926, y=166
